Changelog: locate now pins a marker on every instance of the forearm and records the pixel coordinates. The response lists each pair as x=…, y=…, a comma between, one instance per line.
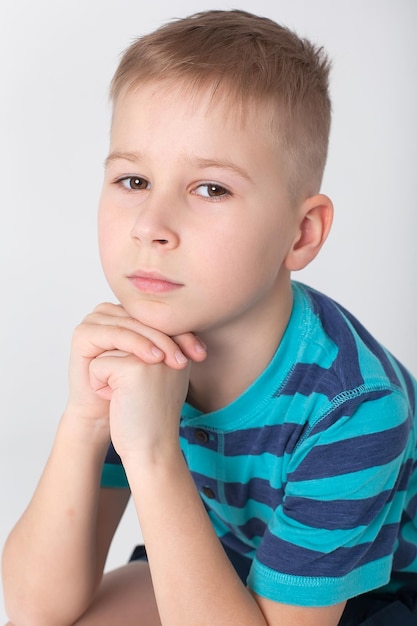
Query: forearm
x=51, y=553
x=194, y=582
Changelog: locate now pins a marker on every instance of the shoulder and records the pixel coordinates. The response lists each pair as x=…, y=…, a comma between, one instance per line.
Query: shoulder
x=340, y=357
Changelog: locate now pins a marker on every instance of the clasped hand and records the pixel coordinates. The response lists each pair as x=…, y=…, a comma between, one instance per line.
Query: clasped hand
x=129, y=381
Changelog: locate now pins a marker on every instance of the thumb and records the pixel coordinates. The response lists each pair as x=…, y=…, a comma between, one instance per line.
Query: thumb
x=101, y=370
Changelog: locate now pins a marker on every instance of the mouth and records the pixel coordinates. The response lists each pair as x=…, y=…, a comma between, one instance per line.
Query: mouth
x=153, y=283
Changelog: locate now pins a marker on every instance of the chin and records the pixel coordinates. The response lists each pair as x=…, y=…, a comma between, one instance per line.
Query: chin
x=168, y=324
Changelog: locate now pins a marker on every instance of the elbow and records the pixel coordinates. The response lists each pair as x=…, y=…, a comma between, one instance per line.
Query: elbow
x=35, y=618
x=28, y=603
x=29, y=599
x=27, y=613
x=23, y=610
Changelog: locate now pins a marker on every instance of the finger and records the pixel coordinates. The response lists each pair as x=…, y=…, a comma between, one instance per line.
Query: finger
x=117, y=353
x=176, y=353
x=193, y=347
x=110, y=308
x=95, y=338
x=116, y=316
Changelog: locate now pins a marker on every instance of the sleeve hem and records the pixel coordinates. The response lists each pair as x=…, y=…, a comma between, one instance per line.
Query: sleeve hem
x=319, y=590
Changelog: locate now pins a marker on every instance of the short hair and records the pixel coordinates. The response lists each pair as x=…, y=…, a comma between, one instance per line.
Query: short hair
x=253, y=60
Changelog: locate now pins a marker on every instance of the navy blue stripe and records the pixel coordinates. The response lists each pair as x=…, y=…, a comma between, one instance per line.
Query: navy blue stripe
x=347, y=372
x=333, y=316
x=353, y=454
x=288, y=558
x=326, y=309
x=309, y=378
x=231, y=541
x=202, y=481
x=335, y=514
x=374, y=347
x=238, y=494
x=257, y=489
x=254, y=527
x=276, y=439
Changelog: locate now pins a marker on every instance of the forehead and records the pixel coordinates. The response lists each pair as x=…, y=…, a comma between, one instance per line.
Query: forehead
x=211, y=100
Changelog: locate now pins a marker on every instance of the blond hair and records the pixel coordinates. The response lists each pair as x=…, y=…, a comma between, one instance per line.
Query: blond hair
x=253, y=60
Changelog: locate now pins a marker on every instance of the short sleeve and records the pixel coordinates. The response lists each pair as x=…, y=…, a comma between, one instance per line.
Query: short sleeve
x=334, y=534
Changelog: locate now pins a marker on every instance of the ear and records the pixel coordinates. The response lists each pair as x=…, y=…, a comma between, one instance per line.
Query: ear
x=315, y=220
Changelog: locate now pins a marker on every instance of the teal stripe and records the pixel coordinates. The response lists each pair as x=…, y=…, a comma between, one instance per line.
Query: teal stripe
x=114, y=476
x=367, y=419
x=295, y=533
x=238, y=469
x=317, y=591
x=355, y=485
x=298, y=534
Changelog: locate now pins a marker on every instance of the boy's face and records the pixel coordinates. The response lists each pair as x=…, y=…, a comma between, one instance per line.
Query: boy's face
x=195, y=221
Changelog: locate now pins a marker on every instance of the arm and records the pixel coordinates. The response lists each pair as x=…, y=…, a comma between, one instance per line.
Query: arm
x=182, y=546
x=52, y=551
x=193, y=580
x=54, y=557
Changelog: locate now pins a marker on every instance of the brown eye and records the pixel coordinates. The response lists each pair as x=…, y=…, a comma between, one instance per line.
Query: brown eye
x=135, y=182
x=211, y=190
x=215, y=190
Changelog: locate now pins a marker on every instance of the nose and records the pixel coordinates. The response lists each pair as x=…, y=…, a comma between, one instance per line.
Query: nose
x=154, y=226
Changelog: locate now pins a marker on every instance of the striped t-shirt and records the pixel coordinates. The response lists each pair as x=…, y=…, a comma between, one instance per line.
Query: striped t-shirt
x=312, y=471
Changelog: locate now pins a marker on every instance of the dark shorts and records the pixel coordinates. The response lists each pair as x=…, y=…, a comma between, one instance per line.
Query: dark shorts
x=370, y=609
x=375, y=609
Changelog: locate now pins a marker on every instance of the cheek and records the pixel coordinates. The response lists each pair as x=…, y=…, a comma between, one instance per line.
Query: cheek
x=264, y=245
x=240, y=260
x=108, y=243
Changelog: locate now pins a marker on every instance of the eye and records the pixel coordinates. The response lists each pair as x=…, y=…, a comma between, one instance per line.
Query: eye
x=134, y=183
x=211, y=190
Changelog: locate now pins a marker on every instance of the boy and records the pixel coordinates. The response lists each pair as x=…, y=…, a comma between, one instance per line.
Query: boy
x=289, y=495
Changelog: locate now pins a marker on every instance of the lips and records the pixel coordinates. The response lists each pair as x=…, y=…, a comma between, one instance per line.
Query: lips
x=153, y=283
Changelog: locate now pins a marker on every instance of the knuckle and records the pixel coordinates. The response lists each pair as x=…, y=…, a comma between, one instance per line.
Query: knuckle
x=79, y=330
x=103, y=307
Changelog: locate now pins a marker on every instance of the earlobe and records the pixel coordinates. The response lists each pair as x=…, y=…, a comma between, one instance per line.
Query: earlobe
x=316, y=216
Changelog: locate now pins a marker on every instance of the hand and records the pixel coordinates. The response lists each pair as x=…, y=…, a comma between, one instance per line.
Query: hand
x=145, y=402
x=108, y=329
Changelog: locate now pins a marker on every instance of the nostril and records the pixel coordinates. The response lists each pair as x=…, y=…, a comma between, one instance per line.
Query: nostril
x=162, y=241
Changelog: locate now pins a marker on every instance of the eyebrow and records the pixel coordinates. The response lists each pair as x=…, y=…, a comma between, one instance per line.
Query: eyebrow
x=192, y=160
x=201, y=162
x=133, y=157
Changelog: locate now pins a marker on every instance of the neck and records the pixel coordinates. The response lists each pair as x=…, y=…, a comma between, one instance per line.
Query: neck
x=237, y=355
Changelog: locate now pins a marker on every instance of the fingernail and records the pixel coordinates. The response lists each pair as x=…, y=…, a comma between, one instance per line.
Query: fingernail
x=200, y=347
x=180, y=357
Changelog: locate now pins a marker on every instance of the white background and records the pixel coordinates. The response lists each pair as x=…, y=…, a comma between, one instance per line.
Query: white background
x=56, y=60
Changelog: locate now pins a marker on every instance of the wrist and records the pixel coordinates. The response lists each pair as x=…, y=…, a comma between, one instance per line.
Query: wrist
x=164, y=456
x=84, y=431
